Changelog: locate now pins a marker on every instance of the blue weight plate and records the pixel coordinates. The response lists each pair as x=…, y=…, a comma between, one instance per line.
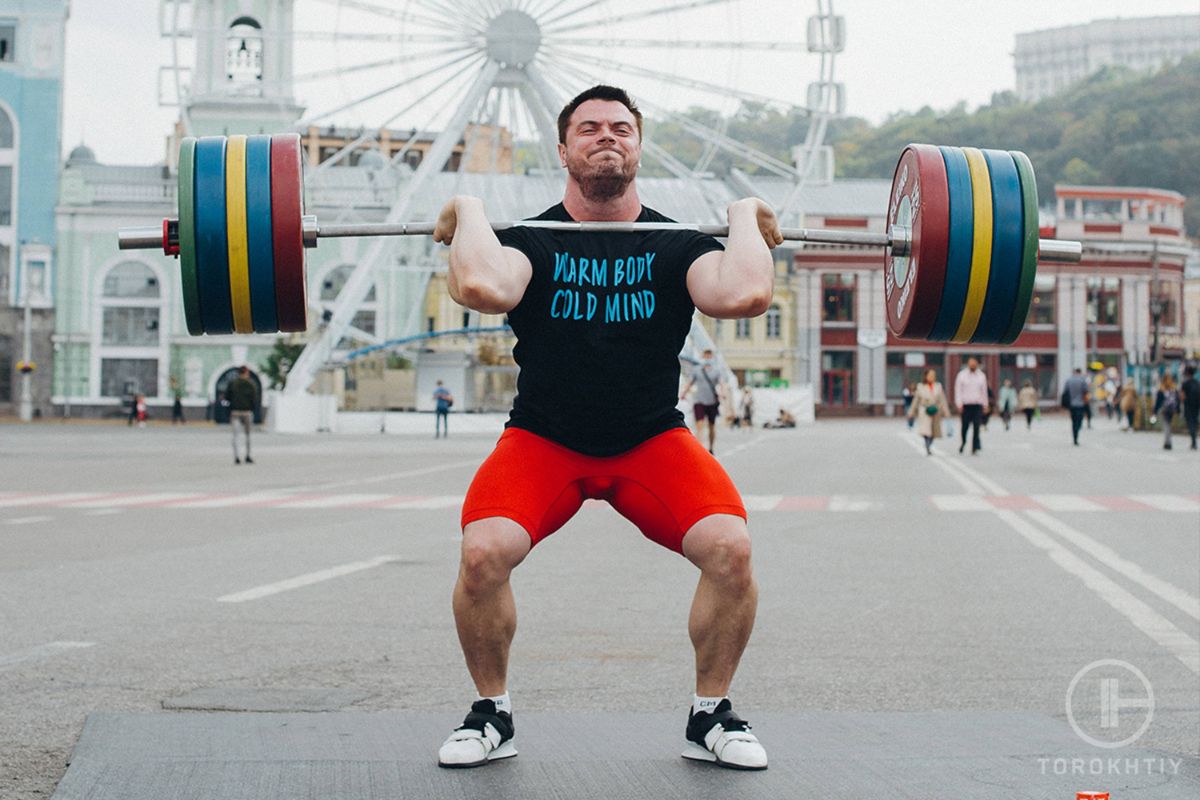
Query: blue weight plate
x=258, y=234
x=1008, y=248
x=958, y=257
x=212, y=247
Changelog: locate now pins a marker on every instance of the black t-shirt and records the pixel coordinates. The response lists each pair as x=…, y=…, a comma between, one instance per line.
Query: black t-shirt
x=599, y=331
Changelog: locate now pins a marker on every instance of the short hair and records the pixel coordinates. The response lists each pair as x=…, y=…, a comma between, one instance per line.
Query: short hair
x=597, y=92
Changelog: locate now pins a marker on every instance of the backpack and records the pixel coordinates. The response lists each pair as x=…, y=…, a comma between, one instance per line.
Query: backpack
x=1170, y=402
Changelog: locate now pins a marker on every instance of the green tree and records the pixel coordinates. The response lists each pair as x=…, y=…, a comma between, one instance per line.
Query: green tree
x=280, y=361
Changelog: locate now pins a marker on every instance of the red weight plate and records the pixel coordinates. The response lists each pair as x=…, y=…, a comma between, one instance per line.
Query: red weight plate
x=920, y=201
x=287, y=209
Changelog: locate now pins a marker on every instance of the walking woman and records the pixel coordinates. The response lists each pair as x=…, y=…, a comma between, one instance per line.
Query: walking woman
x=929, y=408
x=1166, y=405
x=1027, y=402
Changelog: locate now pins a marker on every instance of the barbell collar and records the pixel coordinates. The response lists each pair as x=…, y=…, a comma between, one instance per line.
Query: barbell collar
x=898, y=239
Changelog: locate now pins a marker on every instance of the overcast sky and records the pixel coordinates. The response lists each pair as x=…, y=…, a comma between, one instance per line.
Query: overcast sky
x=899, y=56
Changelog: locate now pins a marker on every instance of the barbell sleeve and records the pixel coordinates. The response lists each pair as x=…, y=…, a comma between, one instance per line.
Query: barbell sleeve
x=1055, y=250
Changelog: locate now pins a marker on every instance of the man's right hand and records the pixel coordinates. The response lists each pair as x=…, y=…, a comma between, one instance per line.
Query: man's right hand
x=447, y=222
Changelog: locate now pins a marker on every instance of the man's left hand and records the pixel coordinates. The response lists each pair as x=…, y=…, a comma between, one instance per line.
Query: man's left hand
x=768, y=223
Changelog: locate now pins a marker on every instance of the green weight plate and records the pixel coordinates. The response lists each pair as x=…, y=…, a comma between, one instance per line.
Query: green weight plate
x=187, y=237
x=1030, y=246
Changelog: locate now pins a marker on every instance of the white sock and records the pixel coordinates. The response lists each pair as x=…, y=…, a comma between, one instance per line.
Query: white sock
x=708, y=704
x=502, y=702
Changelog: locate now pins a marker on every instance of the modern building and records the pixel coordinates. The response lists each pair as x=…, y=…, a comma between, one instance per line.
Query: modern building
x=1049, y=61
x=31, y=74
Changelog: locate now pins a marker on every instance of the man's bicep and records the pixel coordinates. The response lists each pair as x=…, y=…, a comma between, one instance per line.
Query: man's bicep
x=519, y=273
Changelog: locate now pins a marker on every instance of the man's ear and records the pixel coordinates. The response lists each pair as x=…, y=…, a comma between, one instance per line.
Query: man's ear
x=562, y=155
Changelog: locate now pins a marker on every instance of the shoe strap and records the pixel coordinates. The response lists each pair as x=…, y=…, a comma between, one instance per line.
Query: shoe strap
x=482, y=716
x=489, y=737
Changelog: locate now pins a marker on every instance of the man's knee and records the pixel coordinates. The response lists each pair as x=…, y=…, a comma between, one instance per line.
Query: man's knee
x=490, y=550
x=720, y=547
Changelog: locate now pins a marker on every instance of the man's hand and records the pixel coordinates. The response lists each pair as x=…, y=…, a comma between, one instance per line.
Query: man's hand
x=447, y=222
x=768, y=223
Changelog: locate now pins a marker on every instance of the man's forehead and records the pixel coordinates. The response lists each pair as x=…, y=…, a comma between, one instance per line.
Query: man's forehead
x=597, y=110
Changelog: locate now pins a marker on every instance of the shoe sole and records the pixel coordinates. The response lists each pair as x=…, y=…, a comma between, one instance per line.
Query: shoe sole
x=695, y=752
x=505, y=750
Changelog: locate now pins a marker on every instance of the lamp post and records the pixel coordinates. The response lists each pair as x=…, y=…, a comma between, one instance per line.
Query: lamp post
x=25, y=409
x=1156, y=305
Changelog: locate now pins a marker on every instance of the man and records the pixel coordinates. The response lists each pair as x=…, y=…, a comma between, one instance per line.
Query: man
x=242, y=394
x=443, y=400
x=971, y=397
x=600, y=320
x=1075, y=392
x=1190, y=388
x=706, y=377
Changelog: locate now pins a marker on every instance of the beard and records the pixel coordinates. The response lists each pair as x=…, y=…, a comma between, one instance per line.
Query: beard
x=604, y=181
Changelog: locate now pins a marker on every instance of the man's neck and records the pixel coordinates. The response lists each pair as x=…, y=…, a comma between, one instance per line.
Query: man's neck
x=625, y=208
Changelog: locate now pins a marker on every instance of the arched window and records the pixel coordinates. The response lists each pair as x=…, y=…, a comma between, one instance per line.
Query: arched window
x=331, y=287
x=774, y=315
x=8, y=157
x=7, y=136
x=244, y=53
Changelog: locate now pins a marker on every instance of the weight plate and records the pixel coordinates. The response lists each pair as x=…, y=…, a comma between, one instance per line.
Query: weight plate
x=186, y=197
x=287, y=208
x=212, y=249
x=1004, y=275
x=235, y=223
x=958, y=257
x=258, y=234
x=919, y=201
x=1030, y=225
x=981, y=247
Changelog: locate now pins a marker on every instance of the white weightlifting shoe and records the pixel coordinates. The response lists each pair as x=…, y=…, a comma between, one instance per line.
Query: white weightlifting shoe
x=485, y=735
x=724, y=738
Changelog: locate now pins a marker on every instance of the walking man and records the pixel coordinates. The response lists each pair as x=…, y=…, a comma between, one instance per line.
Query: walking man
x=971, y=397
x=1077, y=397
x=706, y=377
x=1190, y=389
x=443, y=400
x=242, y=394
x=600, y=319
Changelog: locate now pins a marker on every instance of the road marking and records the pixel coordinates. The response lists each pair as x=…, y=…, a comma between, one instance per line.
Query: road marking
x=41, y=651
x=1145, y=618
x=1167, y=502
x=1107, y=556
x=26, y=520
x=411, y=473
x=308, y=579
x=101, y=512
x=762, y=502
x=147, y=499
x=47, y=499
x=1066, y=502
x=437, y=501
x=845, y=502
x=332, y=500
x=970, y=486
x=234, y=500
x=961, y=502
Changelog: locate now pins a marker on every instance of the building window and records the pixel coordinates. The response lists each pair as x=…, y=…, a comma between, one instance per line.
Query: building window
x=838, y=297
x=6, y=195
x=6, y=369
x=244, y=52
x=364, y=319
x=1040, y=369
x=7, y=136
x=837, y=378
x=121, y=377
x=1168, y=297
x=131, y=279
x=1104, y=301
x=8, y=42
x=126, y=326
x=773, y=322
x=904, y=369
x=741, y=329
x=1041, y=307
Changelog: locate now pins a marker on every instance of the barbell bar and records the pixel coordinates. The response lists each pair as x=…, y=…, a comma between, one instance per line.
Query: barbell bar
x=960, y=251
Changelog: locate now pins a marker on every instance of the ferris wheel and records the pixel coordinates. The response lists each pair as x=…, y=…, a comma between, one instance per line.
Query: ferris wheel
x=436, y=68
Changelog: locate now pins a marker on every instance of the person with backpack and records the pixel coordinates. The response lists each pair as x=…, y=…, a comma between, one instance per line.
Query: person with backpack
x=706, y=377
x=443, y=400
x=1191, y=402
x=1166, y=405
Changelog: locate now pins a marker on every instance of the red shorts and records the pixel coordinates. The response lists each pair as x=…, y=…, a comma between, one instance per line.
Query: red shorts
x=664, y=486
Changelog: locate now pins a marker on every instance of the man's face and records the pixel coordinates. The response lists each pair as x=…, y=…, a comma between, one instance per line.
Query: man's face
x=972, y=364
x=602, y=149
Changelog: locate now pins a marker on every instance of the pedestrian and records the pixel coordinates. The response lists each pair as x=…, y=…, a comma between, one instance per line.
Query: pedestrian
x=1008, y=402
x=442, y=400
x=1166, y=405
x=1191, y=402
x=907, y=395
x=141, y=410
x=243, y=398
x=971, y=397
x=747, y=409
x=1075, y=399
x=930, y=408
x=987, y=409
x=133, y=409
x=706, y=377
x=609, y=428
x=1027, y=402
x=1128, y=404
x=177, y=410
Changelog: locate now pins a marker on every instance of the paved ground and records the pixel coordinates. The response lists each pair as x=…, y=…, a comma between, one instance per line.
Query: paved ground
x=142, y=571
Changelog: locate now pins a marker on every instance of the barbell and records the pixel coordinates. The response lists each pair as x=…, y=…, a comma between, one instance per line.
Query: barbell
x=960, y=251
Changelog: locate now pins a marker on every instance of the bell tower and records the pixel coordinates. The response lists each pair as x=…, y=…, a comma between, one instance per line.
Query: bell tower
x=242, y=81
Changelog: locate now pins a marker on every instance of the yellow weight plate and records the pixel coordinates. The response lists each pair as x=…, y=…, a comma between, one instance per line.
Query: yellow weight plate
x=981, y=254
x=239, y=249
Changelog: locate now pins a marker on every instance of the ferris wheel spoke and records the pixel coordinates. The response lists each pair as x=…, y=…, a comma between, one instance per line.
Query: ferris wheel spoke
x=471, y=14
x=683, y=43
x=408, y=79
x=676, y=80
x=387, y=62
x=392, y=38
x=634, y=15
x=391, y=13
x=572, y=12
